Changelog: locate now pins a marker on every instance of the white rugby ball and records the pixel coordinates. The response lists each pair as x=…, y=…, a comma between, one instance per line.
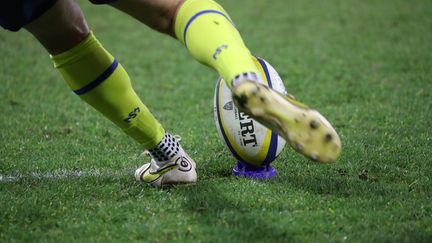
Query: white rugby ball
x=247, y=140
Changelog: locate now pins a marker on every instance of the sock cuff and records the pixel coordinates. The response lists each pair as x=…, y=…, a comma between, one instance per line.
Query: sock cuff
x=90, y=43
x=85, y=65
x=192, y=9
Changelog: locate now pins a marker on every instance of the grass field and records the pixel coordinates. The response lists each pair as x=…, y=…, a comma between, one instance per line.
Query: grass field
x=66, y=173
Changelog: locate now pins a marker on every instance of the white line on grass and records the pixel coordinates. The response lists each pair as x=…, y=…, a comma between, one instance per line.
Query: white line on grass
x=67, y=174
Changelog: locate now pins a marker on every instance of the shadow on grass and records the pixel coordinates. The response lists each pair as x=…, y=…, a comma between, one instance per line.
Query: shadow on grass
x=223, y=217
x=340, y=183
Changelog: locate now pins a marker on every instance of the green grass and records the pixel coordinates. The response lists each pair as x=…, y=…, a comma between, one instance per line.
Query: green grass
x=366, y=65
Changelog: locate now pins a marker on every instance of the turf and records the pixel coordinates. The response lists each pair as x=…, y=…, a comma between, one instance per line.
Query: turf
x=366, y=65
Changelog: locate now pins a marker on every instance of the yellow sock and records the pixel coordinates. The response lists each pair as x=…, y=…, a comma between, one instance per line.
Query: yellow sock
x=207, y=31
x=94, y=75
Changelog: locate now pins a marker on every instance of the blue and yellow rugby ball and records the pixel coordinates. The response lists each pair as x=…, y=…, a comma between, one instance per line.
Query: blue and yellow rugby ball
x=247, y=140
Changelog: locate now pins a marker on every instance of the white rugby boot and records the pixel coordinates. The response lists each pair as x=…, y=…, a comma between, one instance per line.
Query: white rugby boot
x=305, y=129
x=177, y=169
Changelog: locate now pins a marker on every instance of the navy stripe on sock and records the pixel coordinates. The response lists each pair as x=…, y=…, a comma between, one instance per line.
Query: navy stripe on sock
x=93, y=84
x=197, y=15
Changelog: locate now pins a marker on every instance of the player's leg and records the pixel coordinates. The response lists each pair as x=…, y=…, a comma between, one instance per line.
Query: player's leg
x=202, y=26
x=97, y=77
x=211, y=37
x=209, y=34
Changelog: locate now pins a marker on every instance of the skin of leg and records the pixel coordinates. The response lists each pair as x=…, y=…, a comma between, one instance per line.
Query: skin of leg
x=60, y=28
x=157, y=14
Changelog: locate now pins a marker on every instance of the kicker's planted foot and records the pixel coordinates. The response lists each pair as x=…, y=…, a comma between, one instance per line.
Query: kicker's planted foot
x=170, y=165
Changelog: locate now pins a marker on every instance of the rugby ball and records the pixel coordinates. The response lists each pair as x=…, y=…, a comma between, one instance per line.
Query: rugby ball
x=247, y=140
